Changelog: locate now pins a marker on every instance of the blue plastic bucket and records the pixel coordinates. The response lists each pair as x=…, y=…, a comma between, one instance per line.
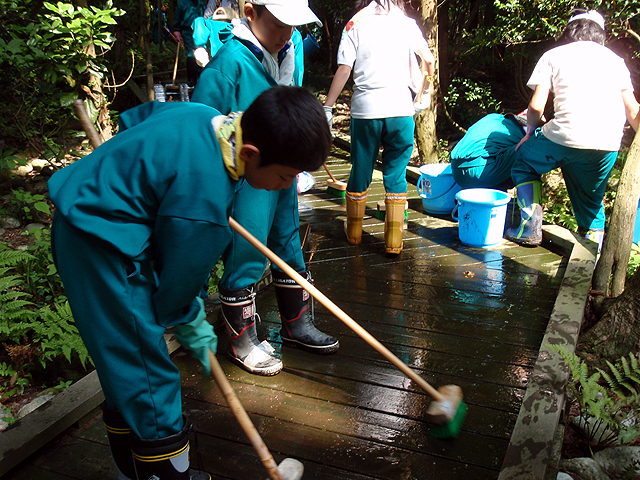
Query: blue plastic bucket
x=481, y=213
x=437, y=188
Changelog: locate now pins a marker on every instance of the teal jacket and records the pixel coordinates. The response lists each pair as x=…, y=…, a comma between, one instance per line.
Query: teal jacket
x=235, y=76
x=157, y=191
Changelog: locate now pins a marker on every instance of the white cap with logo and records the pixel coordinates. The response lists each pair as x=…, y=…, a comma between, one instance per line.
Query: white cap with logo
x=290, y=12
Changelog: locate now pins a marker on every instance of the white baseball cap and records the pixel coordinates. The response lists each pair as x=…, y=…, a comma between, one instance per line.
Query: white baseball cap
x=290, y=12
x=590, y=15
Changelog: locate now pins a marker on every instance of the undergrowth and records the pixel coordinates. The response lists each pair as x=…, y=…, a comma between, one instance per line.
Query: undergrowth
x=608, y=398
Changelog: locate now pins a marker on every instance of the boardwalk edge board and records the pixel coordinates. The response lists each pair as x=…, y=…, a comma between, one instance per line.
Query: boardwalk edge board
x=531, y=449
x=46, y=422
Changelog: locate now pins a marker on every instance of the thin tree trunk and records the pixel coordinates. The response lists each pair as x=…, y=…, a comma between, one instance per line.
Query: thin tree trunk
x=426, y=138
x=144, y=28
x=617, y=244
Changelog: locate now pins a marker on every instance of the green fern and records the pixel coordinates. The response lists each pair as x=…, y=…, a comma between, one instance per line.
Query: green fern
x=43, y=332
x=623, y=379
x=613, y=404
x=58, y=335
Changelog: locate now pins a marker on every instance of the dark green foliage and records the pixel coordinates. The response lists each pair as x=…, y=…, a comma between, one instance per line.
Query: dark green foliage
x=36, y=324
x=616, y=403
x=46, y=61
x=469, y=101
x=26, y=206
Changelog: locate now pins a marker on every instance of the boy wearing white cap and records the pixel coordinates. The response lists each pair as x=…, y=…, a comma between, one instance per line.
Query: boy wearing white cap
x=257, y=56
x=592, y=98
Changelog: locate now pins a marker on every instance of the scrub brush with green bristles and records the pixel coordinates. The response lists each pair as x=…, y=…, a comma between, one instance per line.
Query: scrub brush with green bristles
x=335, y=187
x=447, y=413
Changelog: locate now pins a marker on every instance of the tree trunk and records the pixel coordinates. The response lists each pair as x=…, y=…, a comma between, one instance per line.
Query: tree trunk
x=617, y=243
x=444, y=71
x=426, y=138
x=144, y=28
x=95, y=93
x=617, y=333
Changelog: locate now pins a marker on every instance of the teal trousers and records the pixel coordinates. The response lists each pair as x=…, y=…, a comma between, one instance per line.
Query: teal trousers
x=111, y=300
x=585, y=173
x=272, y=217
x=395, y=135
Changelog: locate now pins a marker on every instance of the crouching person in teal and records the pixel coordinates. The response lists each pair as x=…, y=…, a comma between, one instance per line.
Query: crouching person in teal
x=139, y=225
x=484, y=156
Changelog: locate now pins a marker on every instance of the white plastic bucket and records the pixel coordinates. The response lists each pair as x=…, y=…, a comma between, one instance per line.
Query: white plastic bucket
x=437, y=188
x=481, y=214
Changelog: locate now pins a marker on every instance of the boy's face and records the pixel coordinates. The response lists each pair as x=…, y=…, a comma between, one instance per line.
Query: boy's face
x=271, y=177
x=270, y=32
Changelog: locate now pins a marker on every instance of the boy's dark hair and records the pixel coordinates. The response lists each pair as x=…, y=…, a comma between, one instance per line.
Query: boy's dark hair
x=582, y=30
x=289, y=127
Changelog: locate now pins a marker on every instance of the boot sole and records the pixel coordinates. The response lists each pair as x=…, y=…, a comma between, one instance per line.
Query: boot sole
x=527, y=243
x=265, y=372
x=317, y=349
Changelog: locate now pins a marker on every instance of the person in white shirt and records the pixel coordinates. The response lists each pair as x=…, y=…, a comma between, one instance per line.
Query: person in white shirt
x=592, y=98
x=379, y=45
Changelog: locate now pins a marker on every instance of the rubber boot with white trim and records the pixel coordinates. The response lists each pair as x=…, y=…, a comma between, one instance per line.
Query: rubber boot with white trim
x=394, y=204
x=529, y=232
x=356, y=204
x=118, y=433
x=165, y=458
x=297, y=324
x=239, y=313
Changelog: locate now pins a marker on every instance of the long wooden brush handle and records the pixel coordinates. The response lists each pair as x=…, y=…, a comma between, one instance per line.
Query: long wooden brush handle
x=333, y=308
x=243, y=419
x=329, y=172
x=175, y=64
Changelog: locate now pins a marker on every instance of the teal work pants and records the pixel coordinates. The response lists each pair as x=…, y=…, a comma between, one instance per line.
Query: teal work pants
x=484, y=156
x=272, y=217
x=395, y=135
x=111, y=300
x=495, y=173
x=585, y=173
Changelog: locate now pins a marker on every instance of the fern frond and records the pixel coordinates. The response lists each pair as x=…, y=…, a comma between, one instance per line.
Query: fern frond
x=13, y=257
x=634, y=363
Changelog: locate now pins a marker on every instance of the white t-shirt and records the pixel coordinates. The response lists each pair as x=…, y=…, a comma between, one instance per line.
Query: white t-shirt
x=380, y=46
x=587, y=80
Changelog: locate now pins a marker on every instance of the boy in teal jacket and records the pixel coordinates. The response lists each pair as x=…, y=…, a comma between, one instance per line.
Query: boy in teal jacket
x=258, y=55
x=139, y=225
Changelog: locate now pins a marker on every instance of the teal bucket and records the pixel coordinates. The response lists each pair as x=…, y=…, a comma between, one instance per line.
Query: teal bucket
x=480, y=213
x=437, y=188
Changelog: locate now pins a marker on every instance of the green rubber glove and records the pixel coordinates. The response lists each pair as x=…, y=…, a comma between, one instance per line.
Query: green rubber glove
x=199, y=337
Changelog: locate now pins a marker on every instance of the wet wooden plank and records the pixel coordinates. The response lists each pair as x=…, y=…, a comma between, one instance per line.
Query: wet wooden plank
x=336, y=434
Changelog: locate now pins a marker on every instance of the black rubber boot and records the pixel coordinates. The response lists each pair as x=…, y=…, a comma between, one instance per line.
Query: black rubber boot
x=239, y=314
x=529, y=232
x=165, y=458
x=297, y=326
x=118, y=433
